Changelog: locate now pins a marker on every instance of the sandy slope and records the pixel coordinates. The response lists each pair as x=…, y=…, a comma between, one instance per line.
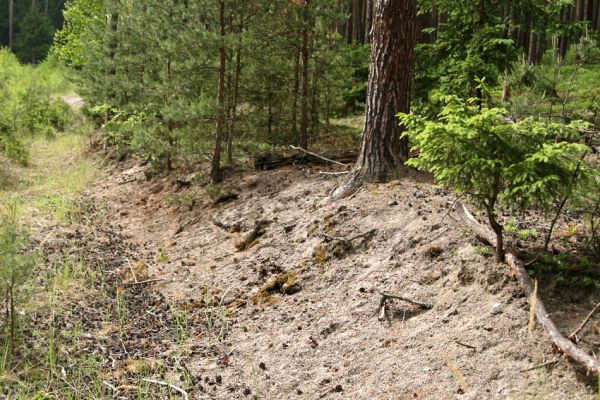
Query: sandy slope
x=326, y=340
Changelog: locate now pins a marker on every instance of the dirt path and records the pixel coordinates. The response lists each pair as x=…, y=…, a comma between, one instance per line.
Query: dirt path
x=74, y=101
x=295, y=315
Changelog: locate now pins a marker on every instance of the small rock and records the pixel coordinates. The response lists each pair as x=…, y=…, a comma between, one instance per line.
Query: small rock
x=188, y=262
x=496, y=309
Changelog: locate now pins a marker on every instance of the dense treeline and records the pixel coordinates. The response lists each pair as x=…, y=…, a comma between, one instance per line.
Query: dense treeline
x=185, y=80
x=27, y=27
x=194, y=75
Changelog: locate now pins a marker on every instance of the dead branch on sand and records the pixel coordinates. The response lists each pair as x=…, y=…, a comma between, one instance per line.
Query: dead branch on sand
x=168, y=385
x=385, y=297
x=563, y=344
x=348, y=241
x=573, y=336
x=255, y=233
x=318, y=156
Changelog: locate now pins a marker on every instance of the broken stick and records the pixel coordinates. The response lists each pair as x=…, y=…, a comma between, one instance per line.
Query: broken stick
x=168, y=385
x=386, y=297
x=573, y=336
x=255, y=233
x=318, y=156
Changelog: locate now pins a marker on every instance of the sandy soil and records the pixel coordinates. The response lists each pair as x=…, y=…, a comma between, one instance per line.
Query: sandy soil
x=297, y=314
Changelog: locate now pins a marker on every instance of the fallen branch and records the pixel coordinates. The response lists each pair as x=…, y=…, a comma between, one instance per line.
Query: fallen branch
x=385, y=297
x=233, y=227
x=143, y=282
x=542, y=365
x=165, y=384
x=348, y=242
x=563, y=344
x=318, y=156
x=573, y=336
x=255, y=233
x=334, y=173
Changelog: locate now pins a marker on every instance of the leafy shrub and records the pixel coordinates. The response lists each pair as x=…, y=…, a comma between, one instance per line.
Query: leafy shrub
x=497, y=162
x=28, y=104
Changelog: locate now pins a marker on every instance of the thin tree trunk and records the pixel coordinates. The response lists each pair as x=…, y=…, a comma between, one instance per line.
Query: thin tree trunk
x=390, y=78
x=305, y=80
x=315, y=106
x=11, y=11
x=356, y=20
x=349, y=23
x=368, y=21
x=295, y=97
x=215, y=173
x=236, y=89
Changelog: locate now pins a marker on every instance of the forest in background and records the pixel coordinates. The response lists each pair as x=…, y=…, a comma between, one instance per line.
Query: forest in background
x=28, y=27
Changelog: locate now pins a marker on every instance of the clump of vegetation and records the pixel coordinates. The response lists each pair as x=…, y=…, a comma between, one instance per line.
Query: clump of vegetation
x=285, y=283
x=28, y=105
x=16, y=268
x=497, y=162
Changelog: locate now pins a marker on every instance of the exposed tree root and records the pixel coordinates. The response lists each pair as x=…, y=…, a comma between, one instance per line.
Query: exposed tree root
x=564, y=345
x=253, y=235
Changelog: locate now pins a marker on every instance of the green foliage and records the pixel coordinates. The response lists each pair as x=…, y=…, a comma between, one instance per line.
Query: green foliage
x=150, y=72
x=497, y=162
x=15, y=266
x=470, y=46
x=34, y=38
x=83, y=19
x=28, y=104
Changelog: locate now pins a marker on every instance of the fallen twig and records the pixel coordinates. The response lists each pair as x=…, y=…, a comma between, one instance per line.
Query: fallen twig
x=166, y=384
x=468, y=346
x=386, y=297
x=143, y=282
x=573, y=336
x=255, y=233
x=334, y=173
x=132, y=271
x=563, y=344
x=318, y=156
x=111, y=387
x=551, y=362
x=348, y=241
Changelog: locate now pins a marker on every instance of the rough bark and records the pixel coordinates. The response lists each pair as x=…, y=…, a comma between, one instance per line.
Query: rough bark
x=390, y=78
x=215, y=172
x=563, y=344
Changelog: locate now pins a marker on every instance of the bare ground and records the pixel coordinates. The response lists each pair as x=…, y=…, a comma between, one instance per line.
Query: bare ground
x=297, y=313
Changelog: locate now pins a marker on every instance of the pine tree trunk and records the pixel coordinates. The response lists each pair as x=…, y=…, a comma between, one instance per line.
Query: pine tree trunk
x=236, y=88
x=10, y=23
x=356, y=31
x=215, y=172
x=368, y=21
x=315, y=104
x=294, y=110
x=349, y=23
x=305, y=80
x=390, y=78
